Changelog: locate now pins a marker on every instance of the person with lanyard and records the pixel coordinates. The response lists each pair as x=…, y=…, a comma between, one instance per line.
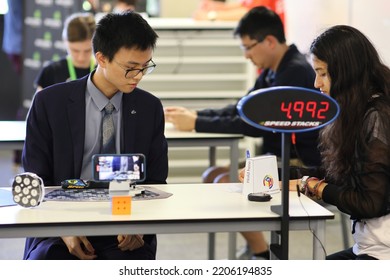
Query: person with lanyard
x=77, y=35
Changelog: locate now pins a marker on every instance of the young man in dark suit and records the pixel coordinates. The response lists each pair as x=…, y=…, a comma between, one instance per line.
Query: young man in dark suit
x=63, y=132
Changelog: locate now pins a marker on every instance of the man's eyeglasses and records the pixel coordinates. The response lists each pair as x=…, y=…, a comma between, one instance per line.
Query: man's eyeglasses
x=248, y=48
x=131, y=73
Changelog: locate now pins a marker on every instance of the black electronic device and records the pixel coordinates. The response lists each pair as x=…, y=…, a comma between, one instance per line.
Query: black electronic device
x=259, y=196
x=288, y=109
x=119, y=167
x=82, y=184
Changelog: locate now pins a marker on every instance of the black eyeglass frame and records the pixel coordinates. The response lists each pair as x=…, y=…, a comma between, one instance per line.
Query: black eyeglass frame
x=145, y=71
x=248, y=48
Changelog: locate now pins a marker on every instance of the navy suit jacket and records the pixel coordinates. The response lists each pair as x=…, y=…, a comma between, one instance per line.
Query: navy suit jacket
x=56, y=130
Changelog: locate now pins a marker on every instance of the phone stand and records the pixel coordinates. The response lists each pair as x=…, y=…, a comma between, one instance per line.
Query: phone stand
x=125, y=187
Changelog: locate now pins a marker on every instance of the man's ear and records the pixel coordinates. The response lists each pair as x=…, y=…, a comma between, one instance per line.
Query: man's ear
x=101, y=59
x=271, y=41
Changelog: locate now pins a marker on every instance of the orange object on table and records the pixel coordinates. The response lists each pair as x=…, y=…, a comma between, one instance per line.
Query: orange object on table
x=121, y=205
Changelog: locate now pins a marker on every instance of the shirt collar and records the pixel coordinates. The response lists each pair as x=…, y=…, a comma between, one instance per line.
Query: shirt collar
x=100, y=99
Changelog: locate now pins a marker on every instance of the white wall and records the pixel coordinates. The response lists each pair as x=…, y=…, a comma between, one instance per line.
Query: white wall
x=372, y=17
x=178, y=8
x=305, y=19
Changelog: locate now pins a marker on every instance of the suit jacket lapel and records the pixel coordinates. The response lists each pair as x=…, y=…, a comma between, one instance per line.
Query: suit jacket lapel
x=76, y=117
x=129, y=117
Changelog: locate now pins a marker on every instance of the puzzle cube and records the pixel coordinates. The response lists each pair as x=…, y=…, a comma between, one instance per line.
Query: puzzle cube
x=121, y=205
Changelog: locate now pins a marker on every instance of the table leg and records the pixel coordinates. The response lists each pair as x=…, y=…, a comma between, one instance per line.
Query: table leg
x=232, y=245
x=211, y=236
x=234, y=158
x=212, y=156
x=232, y=239
x=211, y=251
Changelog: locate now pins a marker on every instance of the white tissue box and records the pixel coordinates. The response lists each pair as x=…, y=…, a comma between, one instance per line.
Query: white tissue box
x=261, y=175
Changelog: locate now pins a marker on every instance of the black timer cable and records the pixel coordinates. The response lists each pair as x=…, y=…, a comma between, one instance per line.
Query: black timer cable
x=309, y=220
x=299, y=176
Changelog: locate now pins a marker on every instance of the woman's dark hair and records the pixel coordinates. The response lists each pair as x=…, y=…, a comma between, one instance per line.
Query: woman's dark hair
x=125, y=30
x=260, y=22
x=357, y=74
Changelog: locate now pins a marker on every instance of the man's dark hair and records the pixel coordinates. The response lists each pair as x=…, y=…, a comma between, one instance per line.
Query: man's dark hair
x=125, y=30
x=259, y=22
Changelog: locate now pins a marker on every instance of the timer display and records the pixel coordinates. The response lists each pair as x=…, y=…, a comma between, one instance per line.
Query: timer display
x=288, y=109
x=299, y=108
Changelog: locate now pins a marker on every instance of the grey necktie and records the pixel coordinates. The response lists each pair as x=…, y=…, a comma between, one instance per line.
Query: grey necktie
x=108, y=131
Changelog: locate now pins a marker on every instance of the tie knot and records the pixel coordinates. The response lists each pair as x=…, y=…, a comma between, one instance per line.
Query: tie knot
x=109, y=108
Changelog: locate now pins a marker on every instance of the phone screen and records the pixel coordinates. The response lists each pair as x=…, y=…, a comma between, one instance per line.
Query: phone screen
x=109, y=167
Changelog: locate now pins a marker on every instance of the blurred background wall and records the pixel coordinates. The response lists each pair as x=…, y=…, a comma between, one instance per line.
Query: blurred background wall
x=304, y=20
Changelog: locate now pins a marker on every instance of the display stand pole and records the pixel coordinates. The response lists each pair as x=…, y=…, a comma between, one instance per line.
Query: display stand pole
x=281, y=250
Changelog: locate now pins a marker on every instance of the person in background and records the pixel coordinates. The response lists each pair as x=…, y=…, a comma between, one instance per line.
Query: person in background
x=13, y=47
x=117, y=6
x=64, y=130
x=263, y=41
x=79, y=62
x=124, y=6
x=355, y=148
x=13, y=34
x=233, y=11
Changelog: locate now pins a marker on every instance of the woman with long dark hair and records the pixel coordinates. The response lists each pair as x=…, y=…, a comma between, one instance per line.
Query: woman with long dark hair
x=355, y=148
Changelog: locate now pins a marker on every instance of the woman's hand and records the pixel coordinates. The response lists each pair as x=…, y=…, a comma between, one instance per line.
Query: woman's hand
x=312, y=187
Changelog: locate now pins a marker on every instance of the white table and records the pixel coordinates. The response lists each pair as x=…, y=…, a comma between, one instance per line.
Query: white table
x=192, y=208
x=14, y=133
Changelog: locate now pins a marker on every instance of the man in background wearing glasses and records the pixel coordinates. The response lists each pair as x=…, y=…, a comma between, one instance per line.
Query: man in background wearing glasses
x=64, y=132
x=263, y=41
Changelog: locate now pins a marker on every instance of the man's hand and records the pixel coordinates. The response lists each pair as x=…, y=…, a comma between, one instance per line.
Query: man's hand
x=182, y=118
x=241, y=175
x=80, y=247
x=130, y=242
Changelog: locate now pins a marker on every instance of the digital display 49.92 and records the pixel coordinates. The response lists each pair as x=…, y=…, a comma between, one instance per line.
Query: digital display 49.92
x=297, y=109
x=288, y=109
